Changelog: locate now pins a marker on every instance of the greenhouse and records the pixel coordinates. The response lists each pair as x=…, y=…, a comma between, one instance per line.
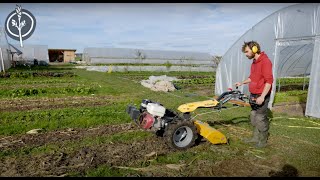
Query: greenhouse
x=94, y=55
x=10, y=53
x=5, y=56
x=30, y=52
x=290, y=38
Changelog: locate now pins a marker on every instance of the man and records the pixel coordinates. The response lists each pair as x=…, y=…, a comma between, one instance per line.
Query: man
x=260, y=85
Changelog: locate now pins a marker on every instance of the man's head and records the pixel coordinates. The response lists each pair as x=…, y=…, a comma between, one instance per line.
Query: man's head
x=248, y=48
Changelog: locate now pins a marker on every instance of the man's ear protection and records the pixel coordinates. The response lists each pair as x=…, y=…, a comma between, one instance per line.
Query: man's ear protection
x=254, y=49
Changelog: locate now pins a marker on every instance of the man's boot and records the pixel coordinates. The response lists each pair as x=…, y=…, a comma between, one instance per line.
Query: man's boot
x=263, y=137
x=255, y=137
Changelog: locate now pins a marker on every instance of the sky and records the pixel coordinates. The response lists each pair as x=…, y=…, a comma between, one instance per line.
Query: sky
x=198, y=27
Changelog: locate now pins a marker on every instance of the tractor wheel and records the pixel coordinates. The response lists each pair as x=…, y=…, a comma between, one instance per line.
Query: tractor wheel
x=181, y=134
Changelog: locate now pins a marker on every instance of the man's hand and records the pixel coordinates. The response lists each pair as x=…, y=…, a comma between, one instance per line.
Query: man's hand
x=238, y=84
x=244, y=82
x=260, y=100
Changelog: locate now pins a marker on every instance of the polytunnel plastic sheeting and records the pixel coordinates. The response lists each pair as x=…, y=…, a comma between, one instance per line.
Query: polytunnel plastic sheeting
x=236, y=65
x=5, y=56
x=297, y=21
x=287, y=37
x=126, y=53
x=313, y=100
x=31, y=52
x=110, y=52
x=295, y=60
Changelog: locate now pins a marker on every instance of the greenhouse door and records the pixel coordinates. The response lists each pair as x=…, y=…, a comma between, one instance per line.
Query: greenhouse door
x=294, y=58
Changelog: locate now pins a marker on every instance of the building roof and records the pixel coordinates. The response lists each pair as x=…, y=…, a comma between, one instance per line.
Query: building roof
x=63, y=49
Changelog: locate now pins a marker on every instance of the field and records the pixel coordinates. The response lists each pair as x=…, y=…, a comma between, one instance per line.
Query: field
x=85, y=131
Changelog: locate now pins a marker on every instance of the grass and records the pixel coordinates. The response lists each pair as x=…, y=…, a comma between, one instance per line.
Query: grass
x=299, y=145
x=106, y=171
x=296, y=128
x=21, y=121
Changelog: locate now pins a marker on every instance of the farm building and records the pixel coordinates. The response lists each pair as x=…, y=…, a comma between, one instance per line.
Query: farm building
x=139, y=56
x=290, y=37
x=61, y=55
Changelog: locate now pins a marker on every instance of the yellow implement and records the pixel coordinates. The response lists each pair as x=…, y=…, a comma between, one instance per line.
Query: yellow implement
x=211, y=134
x=204, y=129
x=189, y=107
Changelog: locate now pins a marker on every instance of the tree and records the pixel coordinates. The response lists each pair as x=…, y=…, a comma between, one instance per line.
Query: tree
x=140, y=55
x=216, y=59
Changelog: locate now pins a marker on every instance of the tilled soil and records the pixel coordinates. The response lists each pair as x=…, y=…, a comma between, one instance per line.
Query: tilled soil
x=54, y=103
x=40, y=139
x=61, y=162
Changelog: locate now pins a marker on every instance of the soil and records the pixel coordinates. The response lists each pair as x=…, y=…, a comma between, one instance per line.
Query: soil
x=62, y=162
x=291, y=87
x=54, y=103
x=294, y=109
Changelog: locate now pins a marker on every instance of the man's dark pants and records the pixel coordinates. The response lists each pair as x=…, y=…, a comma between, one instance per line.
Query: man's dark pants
x=259, y=120
x=259, y=114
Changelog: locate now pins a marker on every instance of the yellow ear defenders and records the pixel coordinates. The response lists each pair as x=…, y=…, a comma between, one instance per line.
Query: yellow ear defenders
x=254, y=49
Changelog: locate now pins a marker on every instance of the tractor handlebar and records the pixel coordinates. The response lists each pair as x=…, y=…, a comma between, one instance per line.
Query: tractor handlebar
x=231, y=94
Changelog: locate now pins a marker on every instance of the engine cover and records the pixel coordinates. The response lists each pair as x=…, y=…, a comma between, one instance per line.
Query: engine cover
x=156, y=109
x=146, y=120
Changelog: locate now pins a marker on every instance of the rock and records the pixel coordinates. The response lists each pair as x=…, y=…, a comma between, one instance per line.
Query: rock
x=34, y=131
x=175, y=166
x=70, y=130
x=150, y=154
x=159, y=83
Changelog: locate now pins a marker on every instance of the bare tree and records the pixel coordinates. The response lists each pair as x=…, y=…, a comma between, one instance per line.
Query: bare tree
x=216, y=59
x=140, y=55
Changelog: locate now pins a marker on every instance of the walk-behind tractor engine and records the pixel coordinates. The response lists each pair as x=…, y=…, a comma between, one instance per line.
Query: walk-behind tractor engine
x=179, y=129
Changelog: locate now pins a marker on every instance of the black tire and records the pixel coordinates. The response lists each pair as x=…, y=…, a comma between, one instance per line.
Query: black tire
x=179, y=128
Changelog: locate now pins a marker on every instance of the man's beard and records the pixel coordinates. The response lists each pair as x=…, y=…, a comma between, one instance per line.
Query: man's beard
x=250, y=57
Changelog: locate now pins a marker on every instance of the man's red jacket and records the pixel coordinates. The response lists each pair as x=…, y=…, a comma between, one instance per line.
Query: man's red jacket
x=260, y=74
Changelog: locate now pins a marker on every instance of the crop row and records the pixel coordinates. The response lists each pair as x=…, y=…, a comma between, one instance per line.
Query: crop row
x=36, y=74
x=292, y=80
x=196, y=81
x=39, y=91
